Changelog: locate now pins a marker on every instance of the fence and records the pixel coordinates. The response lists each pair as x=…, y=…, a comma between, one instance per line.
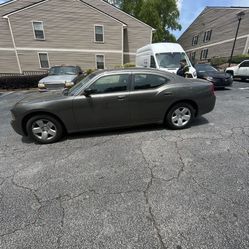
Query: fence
x=21, y=81
x=31, y=73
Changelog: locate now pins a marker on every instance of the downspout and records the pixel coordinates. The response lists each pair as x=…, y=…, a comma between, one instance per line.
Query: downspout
x=122, y=37
x=14, y=44
x=246, y=46
x=151, y=35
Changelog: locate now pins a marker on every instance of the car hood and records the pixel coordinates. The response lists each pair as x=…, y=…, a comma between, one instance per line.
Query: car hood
x=231, y=68
x=42, y=97
x=218, y=75
x=57, y=79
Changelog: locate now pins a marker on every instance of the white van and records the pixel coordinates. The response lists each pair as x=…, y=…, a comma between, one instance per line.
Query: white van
x=164, y=56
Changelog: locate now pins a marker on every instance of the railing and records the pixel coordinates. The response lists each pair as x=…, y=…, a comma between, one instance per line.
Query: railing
x=24, y=73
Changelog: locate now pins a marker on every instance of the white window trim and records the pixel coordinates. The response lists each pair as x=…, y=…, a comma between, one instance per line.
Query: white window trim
x=195, y=40
x=103, y=28
x=96, y=60
x=40, y=60
x=39, y=39
x=202, y=53
x=206, y=32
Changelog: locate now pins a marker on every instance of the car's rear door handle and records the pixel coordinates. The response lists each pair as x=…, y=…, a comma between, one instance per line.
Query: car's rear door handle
x=121, y=97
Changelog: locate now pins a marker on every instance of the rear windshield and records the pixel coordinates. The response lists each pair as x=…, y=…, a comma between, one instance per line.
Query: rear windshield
x=170, y=60
x=205, y=68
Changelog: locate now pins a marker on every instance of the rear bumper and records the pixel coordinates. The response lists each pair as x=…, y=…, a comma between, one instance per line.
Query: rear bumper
x=207, y=105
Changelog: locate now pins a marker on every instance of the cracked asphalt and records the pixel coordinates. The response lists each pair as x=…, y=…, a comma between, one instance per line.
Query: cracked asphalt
x=145, y=187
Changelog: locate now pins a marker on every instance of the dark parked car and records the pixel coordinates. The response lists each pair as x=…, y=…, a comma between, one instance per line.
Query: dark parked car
x=219, y=79
x=114, y=98
x=60, y=77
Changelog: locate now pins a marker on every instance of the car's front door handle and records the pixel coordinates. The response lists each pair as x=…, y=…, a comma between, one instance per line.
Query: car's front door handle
x=121, y=97
x=168, y=93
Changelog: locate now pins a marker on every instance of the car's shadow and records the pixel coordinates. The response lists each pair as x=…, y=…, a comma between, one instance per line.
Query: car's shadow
x=120, y=131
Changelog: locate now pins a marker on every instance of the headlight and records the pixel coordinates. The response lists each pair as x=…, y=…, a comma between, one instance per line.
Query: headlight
x=194, y=74
x=41, y=85
x=69, y=84
x=210, y=79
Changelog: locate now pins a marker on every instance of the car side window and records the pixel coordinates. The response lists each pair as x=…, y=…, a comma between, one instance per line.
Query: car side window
x=152, y=62
x=245, y=64
x=110, y=84
x=148, y=81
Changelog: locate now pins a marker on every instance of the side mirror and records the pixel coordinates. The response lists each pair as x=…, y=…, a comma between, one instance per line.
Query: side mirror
x=88, y=92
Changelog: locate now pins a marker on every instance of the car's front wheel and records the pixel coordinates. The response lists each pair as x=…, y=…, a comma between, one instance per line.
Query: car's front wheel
x=180, y=116
x=44, y=129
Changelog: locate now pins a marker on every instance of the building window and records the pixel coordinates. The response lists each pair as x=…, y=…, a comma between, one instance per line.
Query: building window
x=44, y=61
x=207, y=36
x=195, y=40
x=38, y=30
x=152, y=62
x=100, y=61
x=99, y=33
x=204, y=54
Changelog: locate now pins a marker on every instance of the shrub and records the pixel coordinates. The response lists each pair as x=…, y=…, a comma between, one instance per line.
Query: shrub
x=89, y=71
x=217, y=61
x=20, y=81
x=239, y=58
x=127, y=65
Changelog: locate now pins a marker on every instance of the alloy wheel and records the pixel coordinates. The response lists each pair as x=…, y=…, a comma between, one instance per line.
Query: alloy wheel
x=181, y=116
x=44, y=130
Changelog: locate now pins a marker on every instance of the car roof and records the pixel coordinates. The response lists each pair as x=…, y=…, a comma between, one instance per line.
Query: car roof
x=64, y=66
x=134, y=70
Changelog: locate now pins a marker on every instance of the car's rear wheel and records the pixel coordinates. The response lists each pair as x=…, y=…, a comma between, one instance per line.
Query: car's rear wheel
x=44, y=129
x=180, y=116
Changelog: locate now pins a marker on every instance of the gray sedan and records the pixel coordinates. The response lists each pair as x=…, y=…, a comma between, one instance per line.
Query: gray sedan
x=114, y=98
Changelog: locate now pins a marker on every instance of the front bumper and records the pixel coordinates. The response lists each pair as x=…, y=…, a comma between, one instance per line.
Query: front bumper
x=52, y=87
x=223, y=83
x=17, y=126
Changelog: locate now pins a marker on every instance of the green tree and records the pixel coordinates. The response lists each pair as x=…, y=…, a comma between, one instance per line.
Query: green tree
x=162, y=15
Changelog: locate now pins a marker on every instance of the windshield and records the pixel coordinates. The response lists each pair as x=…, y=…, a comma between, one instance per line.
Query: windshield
x=62, y=70
x=171, y=60
x=78, y=86
x=205, y=68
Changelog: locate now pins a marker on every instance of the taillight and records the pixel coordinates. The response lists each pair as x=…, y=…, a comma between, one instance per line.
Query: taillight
x=212, y=89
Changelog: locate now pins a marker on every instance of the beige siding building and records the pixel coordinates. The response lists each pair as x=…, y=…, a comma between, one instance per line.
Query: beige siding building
x=37, y=34
x=213, y=32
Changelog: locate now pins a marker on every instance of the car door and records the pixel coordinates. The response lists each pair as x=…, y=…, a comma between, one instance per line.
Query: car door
x=243, y=68
x=148, y=98
x=107, y=106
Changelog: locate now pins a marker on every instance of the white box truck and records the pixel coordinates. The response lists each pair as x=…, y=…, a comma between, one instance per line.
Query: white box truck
x=164, y=56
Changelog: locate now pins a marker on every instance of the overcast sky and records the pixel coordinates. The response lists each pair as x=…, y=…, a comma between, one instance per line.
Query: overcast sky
x=190, y=9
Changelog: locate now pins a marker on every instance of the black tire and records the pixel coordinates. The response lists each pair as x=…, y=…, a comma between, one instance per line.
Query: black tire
x=50, y=132
x=171, y=114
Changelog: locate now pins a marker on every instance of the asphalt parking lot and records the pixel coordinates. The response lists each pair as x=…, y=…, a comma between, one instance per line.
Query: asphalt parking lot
x=145, y=187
